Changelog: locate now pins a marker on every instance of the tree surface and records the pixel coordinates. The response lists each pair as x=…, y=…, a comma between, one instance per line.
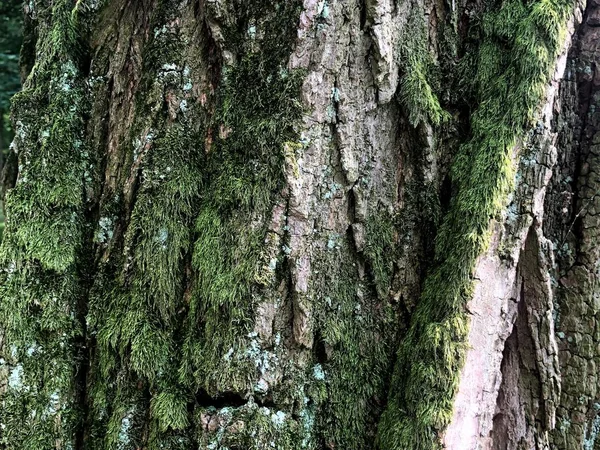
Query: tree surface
x=303, y=224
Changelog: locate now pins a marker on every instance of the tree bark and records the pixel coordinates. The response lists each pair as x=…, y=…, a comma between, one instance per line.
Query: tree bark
x=320, y=224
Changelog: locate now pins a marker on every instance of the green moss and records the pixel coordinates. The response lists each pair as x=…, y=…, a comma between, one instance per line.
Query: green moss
x=357, y=330
x=380, y=249
x=257, y=110
x=416, y=92
x=40, y=284
x=178, y=298
x=138, y=301
x=510, y=86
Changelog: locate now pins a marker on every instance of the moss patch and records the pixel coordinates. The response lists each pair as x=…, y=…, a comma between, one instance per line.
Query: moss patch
x=417, y=87
x=356, y=331
x=257, y=110
x=40, y=284
x=519, y=46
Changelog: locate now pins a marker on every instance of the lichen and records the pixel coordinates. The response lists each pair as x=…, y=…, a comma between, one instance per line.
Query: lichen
x=249, y=427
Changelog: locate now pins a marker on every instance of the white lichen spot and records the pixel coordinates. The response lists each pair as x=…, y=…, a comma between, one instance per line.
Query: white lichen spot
x=53, y=404
x=307, y=416
x=278, y=418
x=261, y=387
x=332, y=242
x=227, y=356
x=323, y=8
x=15, y=379
x=32, y=349
x=125, y=428
x=264, y=360
x=11, y=267
x=183, y=106
x=590, y=437
x=273, y=264
x=335, y=94
x=105, y=230
x=318, y=372
x=168, y=70
x=162, y=237
x=159, y=31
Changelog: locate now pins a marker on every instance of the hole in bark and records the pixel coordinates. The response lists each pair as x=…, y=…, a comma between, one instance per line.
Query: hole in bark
x=319, y=348
x=363, y=14
x=445, y=194
x=222, y=400
x=351, y=207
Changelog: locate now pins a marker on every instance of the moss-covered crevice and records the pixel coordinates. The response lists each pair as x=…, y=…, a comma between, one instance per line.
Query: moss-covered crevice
x=419, y=86
x=356, y=330
x=257, y=112
x=520, y=42
x=41, y=283
x=138, y=301
x=179, y=278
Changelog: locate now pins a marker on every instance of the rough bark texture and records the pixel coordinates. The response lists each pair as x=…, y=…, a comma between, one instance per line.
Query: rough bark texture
x=328, y=224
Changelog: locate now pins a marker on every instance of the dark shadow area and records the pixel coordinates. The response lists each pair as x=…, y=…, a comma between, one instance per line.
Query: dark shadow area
x=11, y=25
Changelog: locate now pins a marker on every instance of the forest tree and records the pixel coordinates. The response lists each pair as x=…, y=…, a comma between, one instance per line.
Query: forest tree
x=303, y=224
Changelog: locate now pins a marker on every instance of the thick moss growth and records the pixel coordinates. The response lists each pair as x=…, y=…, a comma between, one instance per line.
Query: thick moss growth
x=257, y=111
x=416, y=91
x=520, y=42
x=380, y=249
x=171, y=312
x=40, y=284
x=137, y=303
x=356, y=330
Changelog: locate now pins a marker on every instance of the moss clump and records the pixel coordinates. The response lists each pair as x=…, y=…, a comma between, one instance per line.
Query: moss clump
x=356, y=334
x=416, y=92
x=379, y=249
x=256, y=114
x=40, y=283
x=519, y=45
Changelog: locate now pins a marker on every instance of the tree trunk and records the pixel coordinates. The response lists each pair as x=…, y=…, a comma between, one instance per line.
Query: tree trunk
x=329, y=224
